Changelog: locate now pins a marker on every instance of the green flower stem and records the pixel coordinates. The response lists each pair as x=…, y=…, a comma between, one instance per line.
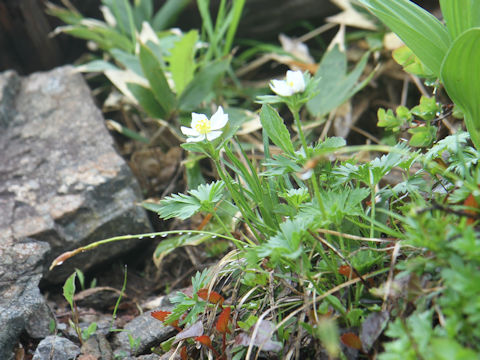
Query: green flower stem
x=223, y=225
x=227, y=180
x=296, y=116
x=316, y=191
x=295, y=109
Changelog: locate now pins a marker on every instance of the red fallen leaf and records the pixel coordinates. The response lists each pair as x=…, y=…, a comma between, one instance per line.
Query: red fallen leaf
x=347, y=271
x=223, y=319
x=183, y=353
x=472, y=203
x=205, y=340
x=160, y=315
x=213, y=297
x=351, y=340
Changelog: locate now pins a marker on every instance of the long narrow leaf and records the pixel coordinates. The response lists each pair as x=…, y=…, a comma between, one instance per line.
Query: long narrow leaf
x=237, y=14
x=167, y=15
x=420, y=30
x=461, y=77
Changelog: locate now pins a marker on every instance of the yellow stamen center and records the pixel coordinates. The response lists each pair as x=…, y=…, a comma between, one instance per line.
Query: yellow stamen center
x=290, y=84
x=203, y=126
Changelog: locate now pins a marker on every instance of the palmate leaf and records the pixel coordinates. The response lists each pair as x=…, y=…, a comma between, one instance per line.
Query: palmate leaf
x=184, y=206
x=420, y=31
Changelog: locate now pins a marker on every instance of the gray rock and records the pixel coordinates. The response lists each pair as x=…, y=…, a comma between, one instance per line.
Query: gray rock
x=147, y=330
x=97, y=347
x=56, y=348
x=21, y=304
x=61, y=180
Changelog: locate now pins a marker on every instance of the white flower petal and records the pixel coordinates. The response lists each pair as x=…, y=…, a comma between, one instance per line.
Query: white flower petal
x=188, y=131
x=212, y=135
x=196, y=118
x=219, y=119
x=196, y=139
x=296, y=81
x=281, y=88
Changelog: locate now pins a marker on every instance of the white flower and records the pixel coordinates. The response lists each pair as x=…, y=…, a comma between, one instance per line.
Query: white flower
x=202, y=127
x=292, y=85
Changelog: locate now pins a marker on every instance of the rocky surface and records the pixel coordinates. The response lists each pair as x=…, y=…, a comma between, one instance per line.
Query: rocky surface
x=61, y=180
x=22, y=307
x=56, y=348
x=146, y=330
x=62, y=185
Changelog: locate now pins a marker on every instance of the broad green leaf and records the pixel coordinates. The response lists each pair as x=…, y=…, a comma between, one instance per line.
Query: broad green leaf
x=142, y=11
x=128, y=60
x=420, y=31
x=335, y=86
x=461, y=78
x=69, y=289
x=275, y=128
x=147, y=100
x=153, y=72
x=460, y=15
x=182, y=62
x=202, y=85
x=167, y=15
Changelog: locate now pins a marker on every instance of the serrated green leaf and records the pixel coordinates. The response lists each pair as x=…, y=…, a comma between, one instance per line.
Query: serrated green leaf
x=461, y=76
x=69, y=289
x=182, y=62
x=202, y=85
x=405, y=57
x=427, y=109
x=422, y=136
x=420, y=31
x=275, y=128
x=184, y=206
x=460, y=15
x=152, y=70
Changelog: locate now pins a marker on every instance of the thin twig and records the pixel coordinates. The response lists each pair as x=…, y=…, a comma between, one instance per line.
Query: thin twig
x=388, y=284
